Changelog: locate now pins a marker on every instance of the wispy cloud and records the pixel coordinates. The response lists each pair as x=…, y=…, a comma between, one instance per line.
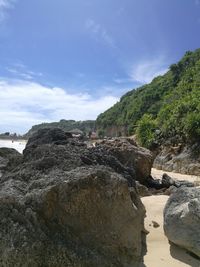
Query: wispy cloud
x=24, y=103
x=122, y=80
x=197, y=2
x=145, y=71
x=21, y=71
x=99, y=32
x=5, y=5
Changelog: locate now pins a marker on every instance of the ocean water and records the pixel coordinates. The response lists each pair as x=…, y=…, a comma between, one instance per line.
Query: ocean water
x=19, y=145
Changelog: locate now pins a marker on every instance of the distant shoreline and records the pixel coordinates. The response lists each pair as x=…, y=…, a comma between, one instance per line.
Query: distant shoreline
x=18, y=144
x=9, y=138
x=14, y=140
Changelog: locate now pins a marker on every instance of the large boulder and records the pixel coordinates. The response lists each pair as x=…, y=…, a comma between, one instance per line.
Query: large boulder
x=58, y=210
x=182, y=219
x=130, y=155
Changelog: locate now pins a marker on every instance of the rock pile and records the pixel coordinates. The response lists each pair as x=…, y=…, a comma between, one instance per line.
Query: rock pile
x=182, y=159
x=66, y=205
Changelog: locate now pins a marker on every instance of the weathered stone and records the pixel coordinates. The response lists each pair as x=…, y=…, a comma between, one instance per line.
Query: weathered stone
x=58, y=210
x=167, y=181
x=142, y=190
x=182, y=159
x=9, y=158
x=132, y=156
x=182, y=219
x=170, y=190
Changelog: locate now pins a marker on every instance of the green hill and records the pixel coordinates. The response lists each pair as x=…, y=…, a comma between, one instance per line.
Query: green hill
x=168, y=107
x=66, y=125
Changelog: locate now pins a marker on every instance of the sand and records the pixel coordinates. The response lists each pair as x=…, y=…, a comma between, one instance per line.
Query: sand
x=159, y=252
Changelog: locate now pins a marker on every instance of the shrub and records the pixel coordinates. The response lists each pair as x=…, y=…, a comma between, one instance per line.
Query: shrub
x=146, y=131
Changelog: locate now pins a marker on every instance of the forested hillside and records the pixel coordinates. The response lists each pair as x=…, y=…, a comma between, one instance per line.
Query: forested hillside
x=168, y=107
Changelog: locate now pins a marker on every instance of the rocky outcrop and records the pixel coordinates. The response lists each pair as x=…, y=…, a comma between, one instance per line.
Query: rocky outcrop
x=131, y=156
x=182, y=159
x=182, y=219
x=9, y=158
x=142, y=190
x=59, y=207
x=167, y=182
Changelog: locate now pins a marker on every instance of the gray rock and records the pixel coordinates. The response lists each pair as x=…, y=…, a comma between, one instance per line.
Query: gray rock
x=57, y=210
x=9, y=158
x=182, y=159
x=170, y=190
x=167, y=181
x=182, y=219
x=142, y=190
x=130, y=155
x=186, y=183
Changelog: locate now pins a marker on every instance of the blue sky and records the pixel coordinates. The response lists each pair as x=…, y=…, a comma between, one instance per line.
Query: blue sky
x=73, y=59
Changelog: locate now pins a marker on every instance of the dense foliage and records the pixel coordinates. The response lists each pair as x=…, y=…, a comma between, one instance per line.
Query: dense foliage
x=172, y=102
x=67, y=125
x=146, y=131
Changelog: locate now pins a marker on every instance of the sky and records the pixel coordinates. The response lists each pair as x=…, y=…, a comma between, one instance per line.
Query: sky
x=73, y=59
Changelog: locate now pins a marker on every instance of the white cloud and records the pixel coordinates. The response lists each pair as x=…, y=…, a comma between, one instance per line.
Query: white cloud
x=145, y=71
x=4, y=6
x=25, y=103
x=99, y=32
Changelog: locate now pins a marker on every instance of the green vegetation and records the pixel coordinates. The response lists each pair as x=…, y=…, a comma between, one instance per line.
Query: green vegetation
x=67, y=125
x=146, y=131
x=171, y=103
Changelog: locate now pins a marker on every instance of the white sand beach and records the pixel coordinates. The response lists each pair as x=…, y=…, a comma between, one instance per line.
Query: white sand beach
x=19, y=145
x=159, y=252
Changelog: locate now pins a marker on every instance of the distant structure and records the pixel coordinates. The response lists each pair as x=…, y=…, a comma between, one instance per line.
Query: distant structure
x=76, y=133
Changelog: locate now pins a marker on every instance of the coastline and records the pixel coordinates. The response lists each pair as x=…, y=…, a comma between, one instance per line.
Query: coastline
x=18, y=144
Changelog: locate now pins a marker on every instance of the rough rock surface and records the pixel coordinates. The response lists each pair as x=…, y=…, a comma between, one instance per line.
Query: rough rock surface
x=182, y=219
x=168, y=181
x=58, y=210
x=182, y=159
x=142, y=190
x=130, y=155
x=9, y=158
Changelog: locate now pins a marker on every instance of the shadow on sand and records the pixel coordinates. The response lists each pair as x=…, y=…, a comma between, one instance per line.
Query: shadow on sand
x=183, y=256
